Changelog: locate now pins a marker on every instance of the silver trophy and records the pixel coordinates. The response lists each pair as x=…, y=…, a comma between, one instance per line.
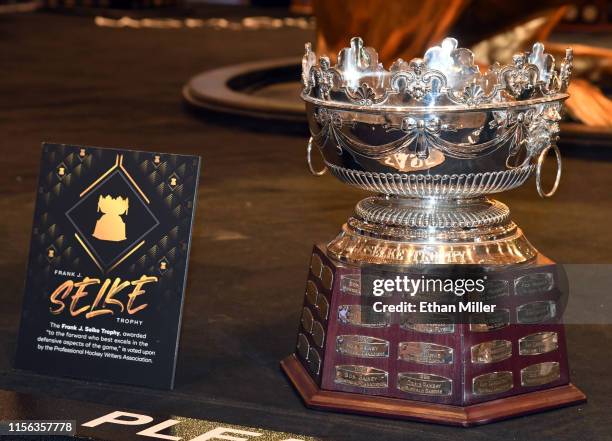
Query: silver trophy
x=432, y=137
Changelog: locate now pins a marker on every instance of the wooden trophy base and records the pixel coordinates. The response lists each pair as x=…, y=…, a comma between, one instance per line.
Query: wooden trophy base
x=466, y=416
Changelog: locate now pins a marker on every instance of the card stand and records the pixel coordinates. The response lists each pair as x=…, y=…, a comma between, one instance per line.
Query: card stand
x=460, y=374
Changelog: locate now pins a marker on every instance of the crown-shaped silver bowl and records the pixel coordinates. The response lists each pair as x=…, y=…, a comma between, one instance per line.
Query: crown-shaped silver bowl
x=434, y=126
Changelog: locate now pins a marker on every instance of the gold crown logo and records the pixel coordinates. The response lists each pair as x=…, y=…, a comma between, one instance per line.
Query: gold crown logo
x=110, y=226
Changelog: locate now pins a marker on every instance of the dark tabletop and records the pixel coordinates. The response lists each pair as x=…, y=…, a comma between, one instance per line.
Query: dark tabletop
x=63, y=79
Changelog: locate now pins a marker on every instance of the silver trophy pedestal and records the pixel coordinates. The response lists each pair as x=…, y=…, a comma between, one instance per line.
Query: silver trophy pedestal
x=405, y=231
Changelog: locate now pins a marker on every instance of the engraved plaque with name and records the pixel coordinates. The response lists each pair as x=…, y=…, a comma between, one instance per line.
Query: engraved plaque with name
x=494, y=289
x=492, y=383
x=541, y=373
x=350, y=284
x=538, y=343
x=363, y=316
x=536, y=312
x=534, y=284
x=425, y=353
x=430, y=328
x=361, y=376
x=362, y=346
x=424, y=384
x=491, y=351
x=489, y=321
x=430, y=323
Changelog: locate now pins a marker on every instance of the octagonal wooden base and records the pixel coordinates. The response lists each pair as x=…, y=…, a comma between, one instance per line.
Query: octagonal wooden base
x=476, y=414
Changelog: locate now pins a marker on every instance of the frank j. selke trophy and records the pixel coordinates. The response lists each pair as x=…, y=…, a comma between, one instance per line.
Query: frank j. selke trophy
x=432, y=137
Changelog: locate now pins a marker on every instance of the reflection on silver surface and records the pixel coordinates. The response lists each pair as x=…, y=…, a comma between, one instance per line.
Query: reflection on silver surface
x=538, y=343
x=362, y=346
x=534, y=284
x=425, y=353
x=361, y=376
x=491, y=351
x=356, y=315
x=536, y=312
x=541, y=373
x=492, y=383
x=424, y=384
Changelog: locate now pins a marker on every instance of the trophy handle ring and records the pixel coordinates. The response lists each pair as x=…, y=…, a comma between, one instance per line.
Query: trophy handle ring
x=541, y=159
x=309, y=159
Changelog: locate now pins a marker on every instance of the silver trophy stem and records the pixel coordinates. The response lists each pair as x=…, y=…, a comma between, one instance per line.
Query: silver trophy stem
x=397, y=230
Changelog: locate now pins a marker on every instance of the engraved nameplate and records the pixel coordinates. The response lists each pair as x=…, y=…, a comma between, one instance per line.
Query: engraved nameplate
x=314, y=361
x=311, y=292
x=492, y=383
x=366, y=317
x=541, y=373
x=424, y=384
x=538, y=343
x=494, y=289
x=536, y=312
x=327, y=277
x=303, y=346
x=425, y=353
x=322, y=306
x=438, y=323
x=350, y=284
x=361, y=376
x=491, y=351
x=489, y=321
x=533, y=284
x=362, y=346
x=307, y=320
x=316, y=265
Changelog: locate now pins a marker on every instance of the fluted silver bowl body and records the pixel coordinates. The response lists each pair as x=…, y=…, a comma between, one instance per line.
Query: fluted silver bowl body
x=433, y=127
